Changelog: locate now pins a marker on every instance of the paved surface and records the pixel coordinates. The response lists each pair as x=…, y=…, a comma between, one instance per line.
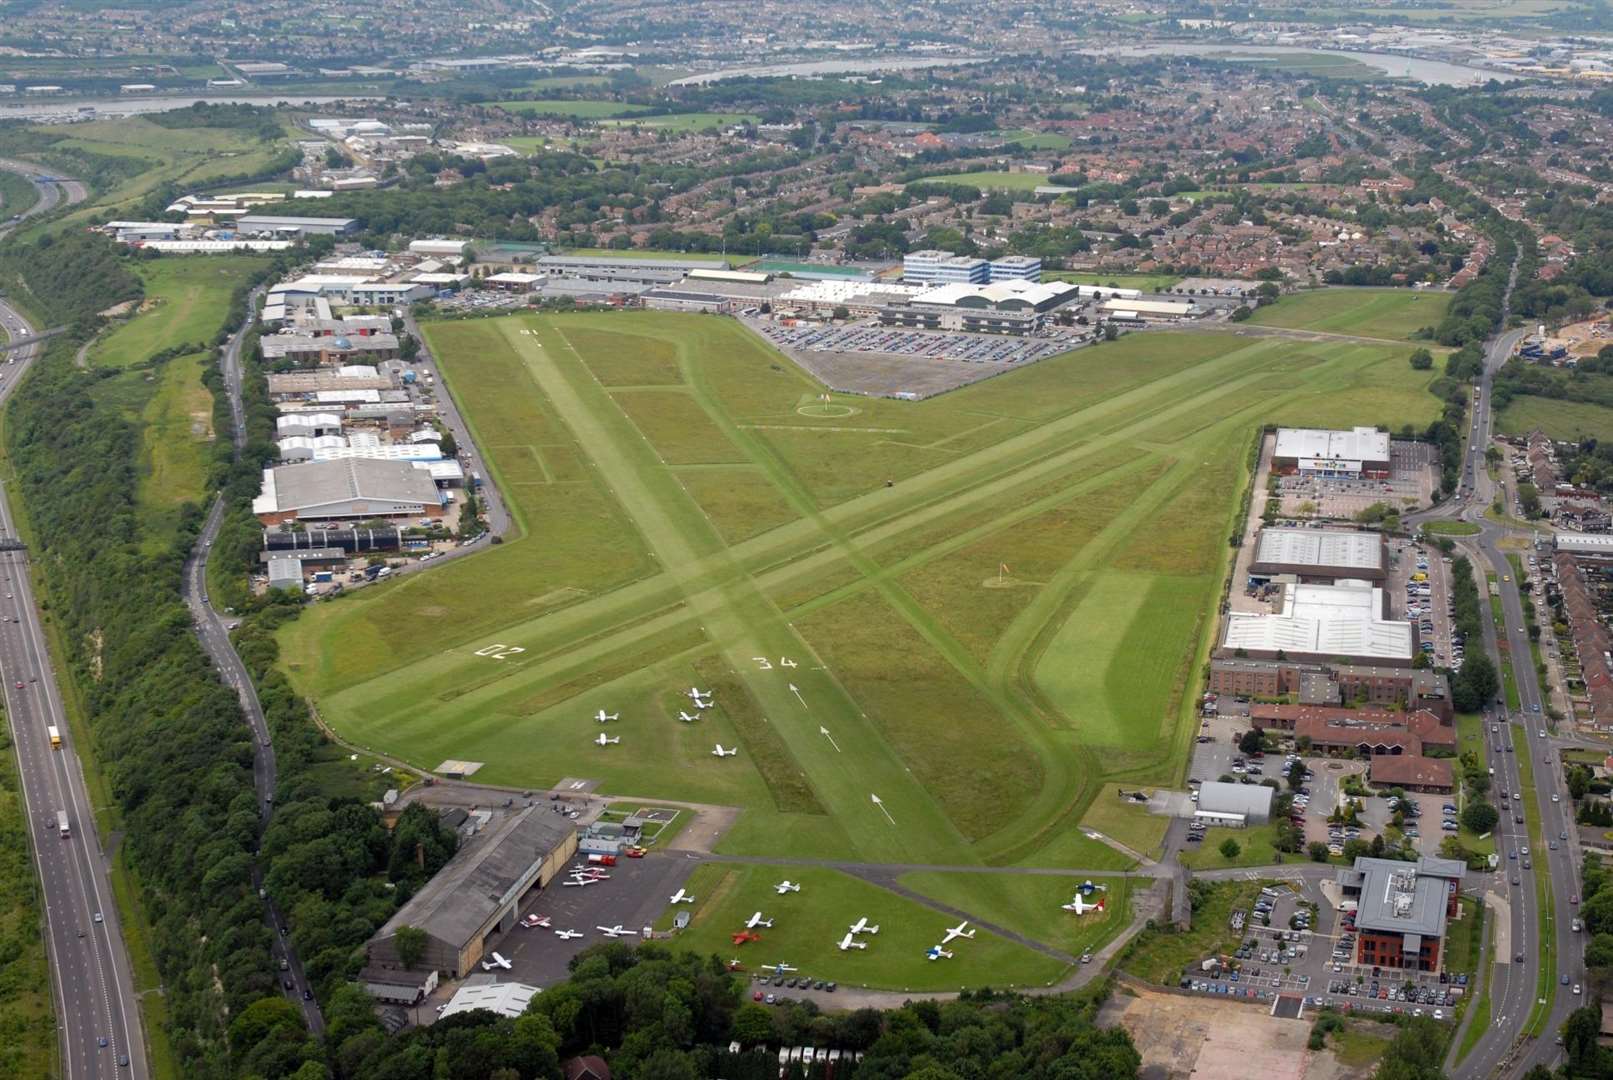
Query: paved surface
x=213, y=632
x=1503, y=1050
x=93, y=985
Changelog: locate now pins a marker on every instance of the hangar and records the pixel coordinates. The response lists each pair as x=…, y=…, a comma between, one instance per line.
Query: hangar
x=477, y=894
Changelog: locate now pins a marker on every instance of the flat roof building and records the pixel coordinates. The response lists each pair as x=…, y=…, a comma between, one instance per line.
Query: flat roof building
x=1347, y=620
x=504, y=999
x=1362, y=451
x=478, y=893
x=356, y=488
x=1015, y=268
x=936, y=267
x=1314, y=554
x=311, y=226
x=1402, y=909
x=1150, y=309
x=1250, y=804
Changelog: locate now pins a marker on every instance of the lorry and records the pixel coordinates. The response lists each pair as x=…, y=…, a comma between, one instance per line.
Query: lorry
x=55, y=736
x=61, y=824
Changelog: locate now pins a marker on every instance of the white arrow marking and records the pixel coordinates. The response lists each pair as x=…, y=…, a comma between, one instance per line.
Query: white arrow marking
x=796, y=691
x=825, y=733
x=881, y=804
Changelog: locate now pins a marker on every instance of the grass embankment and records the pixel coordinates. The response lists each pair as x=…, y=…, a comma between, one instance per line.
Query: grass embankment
x=1546, y=980
x=1161, y=955
x=28, y=1044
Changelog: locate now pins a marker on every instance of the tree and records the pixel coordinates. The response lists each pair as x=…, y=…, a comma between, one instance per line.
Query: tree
x=840, y=313
x=1317, y=851
x=1475, y=685
x=1251, y=741
x=1230, y=849
x=1421, y=360
x=1597, y=911
x=1580, y=1032
x=410, y=943
x=1479, y=817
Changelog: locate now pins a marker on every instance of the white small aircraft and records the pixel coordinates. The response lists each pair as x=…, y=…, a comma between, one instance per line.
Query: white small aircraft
x=697, y=695
x=680, y=897
x=787, y=886
x=580, y=881
x=957, y=932
x=861, y=927
x=1081, y=907
x=937, y=953
x=718, y=751
x=602, y=716
x=615, y=931
x=780, y=968
x=756, y=920
x=849, y=942
x=497, y=962
x=533, y=921
x=567, y=935
x=686, y=718
x=605, y=740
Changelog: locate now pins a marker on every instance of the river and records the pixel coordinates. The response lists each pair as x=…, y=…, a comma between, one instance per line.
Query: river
x=1432, y=72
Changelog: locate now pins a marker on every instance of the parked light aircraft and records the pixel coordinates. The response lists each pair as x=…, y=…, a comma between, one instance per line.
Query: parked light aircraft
x=533, y=921
x=605, y=740
x=957, y=932
x=718, y=751
x=849, y=942
x=566, y=935
x=780, y=968
x=937, y=953
x=602, y=716
x=756, y=920
x=681, y=897
x=701, y=698
x=497, y=962
x=787, y=886
x=615, y=931
x=686, y=718
x=861, y=927
x=1081, y=907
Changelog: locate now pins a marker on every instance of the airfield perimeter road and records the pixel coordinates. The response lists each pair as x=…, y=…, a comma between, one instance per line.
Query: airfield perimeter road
x=213, y=632
x=1504, y=1049
x=93, y=985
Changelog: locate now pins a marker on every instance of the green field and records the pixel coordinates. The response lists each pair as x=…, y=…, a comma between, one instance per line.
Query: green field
x=1007, y=181
x=809, y=924
x=982, y=607
x=1036, y=140
x=185, y=299
x=1569, y=421
x=645, y=253
x=572, y=107
x=691, y=121
x=1395, y=314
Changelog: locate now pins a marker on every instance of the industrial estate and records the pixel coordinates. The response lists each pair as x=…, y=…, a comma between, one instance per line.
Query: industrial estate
x=645, y=543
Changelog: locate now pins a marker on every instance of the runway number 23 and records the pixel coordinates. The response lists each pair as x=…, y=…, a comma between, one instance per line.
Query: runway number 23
x=767, y=665
x=500, y=652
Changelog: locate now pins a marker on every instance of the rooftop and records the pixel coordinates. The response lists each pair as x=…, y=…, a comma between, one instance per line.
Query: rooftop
x=1321, y=547
x=296, y=487
x=1401, y=897
x=1344, y=620
x=1357, y=444
x=1216, y=797
x=505, y=999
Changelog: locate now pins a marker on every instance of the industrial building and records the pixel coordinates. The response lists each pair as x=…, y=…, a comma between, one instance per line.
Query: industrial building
x=299, y=226
x=1132, y=310
x=477, y=894
x=1319, y=555
x=1004, y=307
x=1402, y=909
x=357, y=488
x=1361, y=452
x=1233, y=805
x=1347, y=620
x=1584, y=543
x=482, y=992
x=328, y=349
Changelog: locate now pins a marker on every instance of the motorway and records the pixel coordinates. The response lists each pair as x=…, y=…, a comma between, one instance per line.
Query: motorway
x=97, y=1011
x=1514, y=976
x=213, y=630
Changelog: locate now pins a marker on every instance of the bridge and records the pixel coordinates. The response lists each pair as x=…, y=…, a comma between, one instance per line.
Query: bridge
x=30, y=339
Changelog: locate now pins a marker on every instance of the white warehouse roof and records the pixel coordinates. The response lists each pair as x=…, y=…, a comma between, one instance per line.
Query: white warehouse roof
x=1344, y=620
x=505, y=999
x=1251, y=800
x=1357, y=444
x=1321, y=547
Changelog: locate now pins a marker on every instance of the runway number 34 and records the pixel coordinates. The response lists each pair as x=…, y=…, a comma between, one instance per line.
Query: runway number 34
x=500, y=652
x=767, y=665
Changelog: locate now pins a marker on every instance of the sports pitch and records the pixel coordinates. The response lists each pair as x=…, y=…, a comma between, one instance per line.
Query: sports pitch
x=979, y=607
x=1396, y=314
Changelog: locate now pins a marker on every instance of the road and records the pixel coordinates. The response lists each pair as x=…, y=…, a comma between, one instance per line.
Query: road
x=92, y=982
x=213, y=630
x=1515, y=977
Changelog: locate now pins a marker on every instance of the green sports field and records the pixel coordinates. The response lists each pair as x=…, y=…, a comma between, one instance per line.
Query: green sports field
x=577, y=108
x=1394, y=314
x=979, y=607
x=1006, y=181
x=691, y=121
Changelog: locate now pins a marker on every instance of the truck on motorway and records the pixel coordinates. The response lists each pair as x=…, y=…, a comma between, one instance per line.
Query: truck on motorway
x=55, y=734
x=61, y=823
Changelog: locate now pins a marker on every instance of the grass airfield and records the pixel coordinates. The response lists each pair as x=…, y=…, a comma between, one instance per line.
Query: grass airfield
x=981, y=608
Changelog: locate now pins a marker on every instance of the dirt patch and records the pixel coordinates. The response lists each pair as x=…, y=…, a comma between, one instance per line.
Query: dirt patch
x=1182, y=1036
